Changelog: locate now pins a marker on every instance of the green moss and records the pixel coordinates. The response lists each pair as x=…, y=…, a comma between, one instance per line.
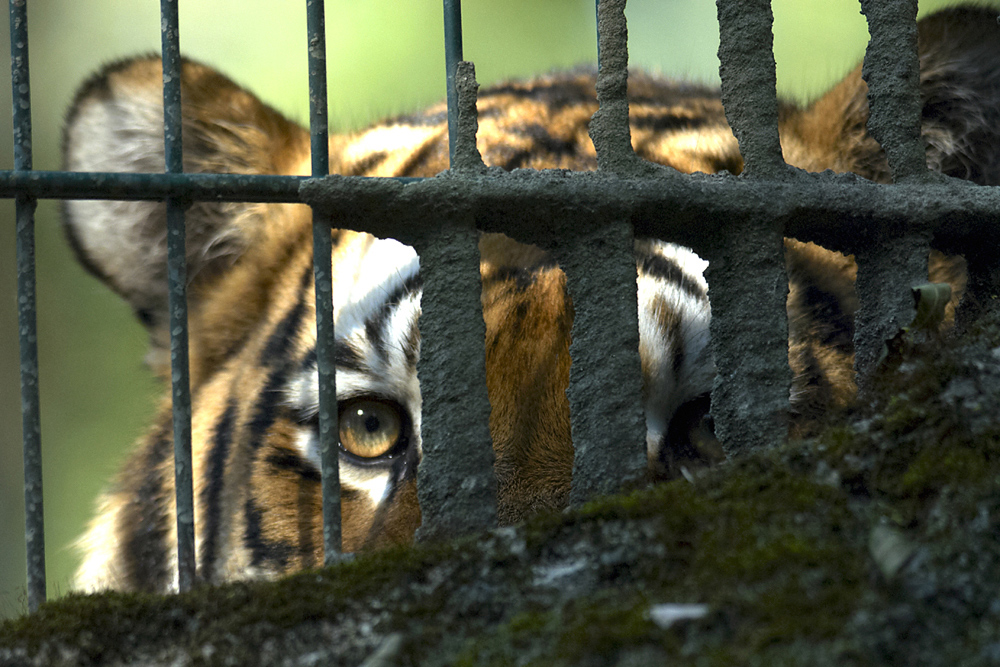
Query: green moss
x=776, y=544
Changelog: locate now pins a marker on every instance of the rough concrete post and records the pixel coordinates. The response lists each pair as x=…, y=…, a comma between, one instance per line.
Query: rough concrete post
x=748, y=289
x=892, y=72
x=456, y=485
x=605, y=376
x=886, y=274
x=609, y=128
x=746, y=67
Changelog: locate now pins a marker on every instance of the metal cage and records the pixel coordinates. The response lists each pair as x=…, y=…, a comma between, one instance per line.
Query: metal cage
x=576, y=216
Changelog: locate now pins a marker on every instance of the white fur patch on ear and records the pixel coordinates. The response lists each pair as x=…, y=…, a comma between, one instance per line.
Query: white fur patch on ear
x=116, y=125
x=122, y=241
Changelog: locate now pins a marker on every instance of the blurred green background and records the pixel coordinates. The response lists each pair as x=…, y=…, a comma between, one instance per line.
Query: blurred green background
x=385, y=56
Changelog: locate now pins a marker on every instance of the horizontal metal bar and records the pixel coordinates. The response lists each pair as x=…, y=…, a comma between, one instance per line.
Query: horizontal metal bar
x=131, y=186
x=200, y=187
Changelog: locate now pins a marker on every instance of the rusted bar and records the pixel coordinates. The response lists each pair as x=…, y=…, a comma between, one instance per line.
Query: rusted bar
x=894, y=260
x=329, y=450
x=452, y=56
x=34, y=519
x=892, y=72
x=609, y=129
x=605, y=380
x=177, y=297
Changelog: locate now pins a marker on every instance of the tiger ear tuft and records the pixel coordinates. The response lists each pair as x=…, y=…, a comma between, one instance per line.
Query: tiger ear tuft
x=115, y=124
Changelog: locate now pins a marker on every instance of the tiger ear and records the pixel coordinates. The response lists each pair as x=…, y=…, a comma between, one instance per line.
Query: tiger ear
x=960, y=92
x=116, y=125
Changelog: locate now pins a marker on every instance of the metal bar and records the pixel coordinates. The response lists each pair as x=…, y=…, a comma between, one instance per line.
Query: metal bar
x=452, y=56
x=323, y=277
x=597, y=31
x=748, y=292
x=456, y=484
x=132, y=186
x=34, y=520
x=177, y=298
x=609, y=447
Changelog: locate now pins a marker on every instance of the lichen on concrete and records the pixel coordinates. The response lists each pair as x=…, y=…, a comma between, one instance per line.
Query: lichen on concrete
x=777, y=544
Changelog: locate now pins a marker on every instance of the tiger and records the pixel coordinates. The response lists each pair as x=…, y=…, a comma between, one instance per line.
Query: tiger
x=252, y=318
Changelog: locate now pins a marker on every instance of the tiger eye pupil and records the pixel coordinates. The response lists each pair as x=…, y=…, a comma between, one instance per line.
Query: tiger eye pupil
x=370, y=429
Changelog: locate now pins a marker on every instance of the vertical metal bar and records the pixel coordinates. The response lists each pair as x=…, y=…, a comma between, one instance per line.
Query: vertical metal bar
x=452, y=56
x=34, y=522
x=597, y=22
x=323, y=278
x=177, y=298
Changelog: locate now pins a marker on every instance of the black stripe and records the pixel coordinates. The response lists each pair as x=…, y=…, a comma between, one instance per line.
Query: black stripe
x=831, y=325
x=261, y=550
x=555, y=94
x=345, y=356
x=145, y=521
x=279, y=342
x=520, y=278
x=266, y=408
x=264, y=413
x=671, y=122
x=659, y=266
x=375, y=325
x=411, y=348
x=214, y=482
x=679, y=352
x=286, y=460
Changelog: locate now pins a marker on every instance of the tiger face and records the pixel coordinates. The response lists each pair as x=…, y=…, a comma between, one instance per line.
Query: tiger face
x=252, y=318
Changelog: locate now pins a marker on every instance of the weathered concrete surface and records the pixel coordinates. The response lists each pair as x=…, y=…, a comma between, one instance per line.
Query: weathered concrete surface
x=892, y=72
x=747, y=73
x=456, y=485
x=605, y=397
x=748, y=289
x=893, y=264
x=873, y=544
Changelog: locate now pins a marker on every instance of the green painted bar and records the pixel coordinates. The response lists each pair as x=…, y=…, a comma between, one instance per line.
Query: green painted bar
x=177, y=298
x=34, y=526
x=452, y=55
x=329, y=430
x=129, y=186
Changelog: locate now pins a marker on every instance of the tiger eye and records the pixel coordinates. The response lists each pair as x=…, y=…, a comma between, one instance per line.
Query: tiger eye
x=370, y=429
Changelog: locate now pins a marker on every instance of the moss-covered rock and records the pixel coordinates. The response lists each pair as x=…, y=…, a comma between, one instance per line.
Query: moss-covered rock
x=874, y=543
